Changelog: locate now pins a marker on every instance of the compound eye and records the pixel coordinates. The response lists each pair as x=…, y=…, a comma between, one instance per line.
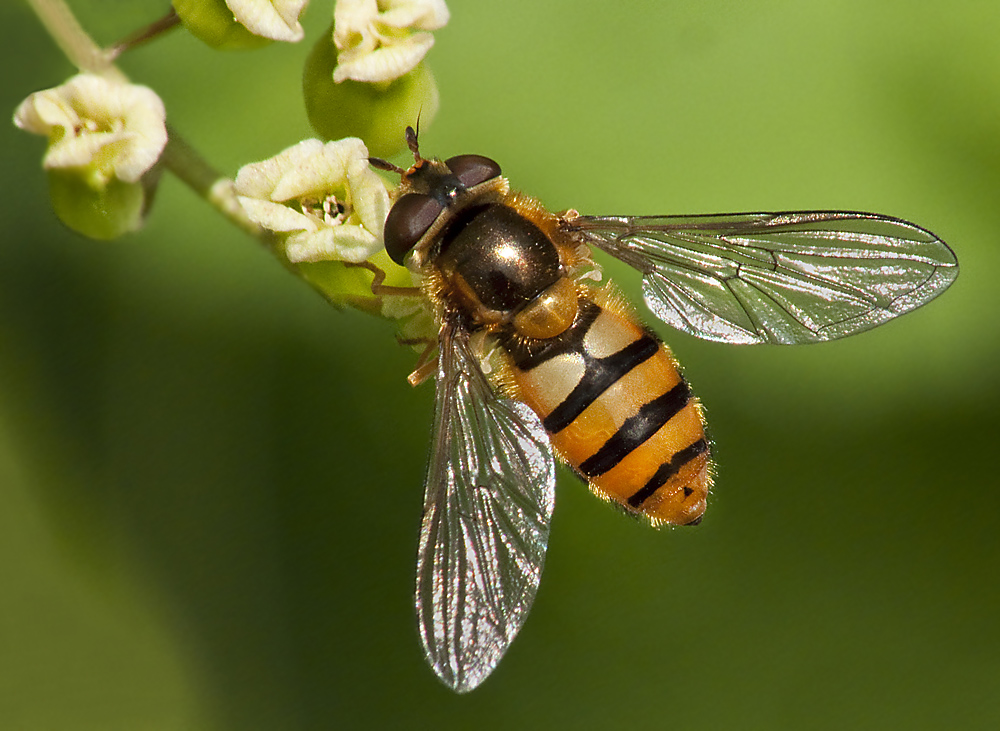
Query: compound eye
x=407, y=222
x=473, y=169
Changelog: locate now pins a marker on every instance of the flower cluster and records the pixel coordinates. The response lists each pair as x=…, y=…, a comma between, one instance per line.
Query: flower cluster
x=320, y=204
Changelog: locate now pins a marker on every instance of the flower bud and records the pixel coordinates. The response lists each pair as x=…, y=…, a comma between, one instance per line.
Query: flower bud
x=105, y=136
x=102, y=213
x=242, y=24
x=378, y=113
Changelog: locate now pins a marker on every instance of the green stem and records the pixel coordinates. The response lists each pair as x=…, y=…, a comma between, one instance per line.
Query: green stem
x=73, y=40
x=144, y=35
x=193, y=170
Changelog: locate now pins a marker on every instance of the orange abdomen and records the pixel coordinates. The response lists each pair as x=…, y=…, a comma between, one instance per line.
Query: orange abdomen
x=617, y=409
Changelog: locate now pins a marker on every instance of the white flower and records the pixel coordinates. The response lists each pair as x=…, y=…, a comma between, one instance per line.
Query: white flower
x=324, y=197
x=274, y=19
x=375, y=38
x=107, y=128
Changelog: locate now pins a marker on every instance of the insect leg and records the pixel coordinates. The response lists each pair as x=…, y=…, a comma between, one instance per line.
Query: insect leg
x=425, y=364
x=382, y=290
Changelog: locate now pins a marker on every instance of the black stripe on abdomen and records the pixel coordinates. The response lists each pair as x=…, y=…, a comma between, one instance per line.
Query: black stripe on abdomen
x=599, y=375
x=528, y=353
x=668, y=470
x=636, y=430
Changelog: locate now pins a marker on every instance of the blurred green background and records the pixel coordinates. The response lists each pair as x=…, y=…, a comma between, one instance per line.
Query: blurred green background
x=210, y=481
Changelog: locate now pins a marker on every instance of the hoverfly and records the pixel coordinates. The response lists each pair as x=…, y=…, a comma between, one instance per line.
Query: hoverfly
x=578, y=376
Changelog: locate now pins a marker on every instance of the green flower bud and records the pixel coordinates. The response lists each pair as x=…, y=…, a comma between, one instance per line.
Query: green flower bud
x=104, y=136
x=105, y=212
x=241, y=24
x=377, y=112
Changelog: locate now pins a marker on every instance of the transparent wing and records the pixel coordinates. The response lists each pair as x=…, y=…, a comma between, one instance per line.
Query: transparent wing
x=488, y=502
x=776, y=277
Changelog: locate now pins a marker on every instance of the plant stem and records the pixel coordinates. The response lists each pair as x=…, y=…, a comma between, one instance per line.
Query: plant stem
x=73, y=40
x=183, y=161
x=144, y=35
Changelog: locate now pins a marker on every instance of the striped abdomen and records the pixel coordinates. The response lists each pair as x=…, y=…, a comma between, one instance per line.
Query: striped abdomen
x=617, y=410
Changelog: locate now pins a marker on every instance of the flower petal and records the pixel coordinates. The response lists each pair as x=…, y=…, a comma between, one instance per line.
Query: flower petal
x=422, y=14
x=259, y=179
x=382, y=46
x=275, y=19
x=368, y=194
x=341, y=243
x=386, y=63
x=276, y=217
